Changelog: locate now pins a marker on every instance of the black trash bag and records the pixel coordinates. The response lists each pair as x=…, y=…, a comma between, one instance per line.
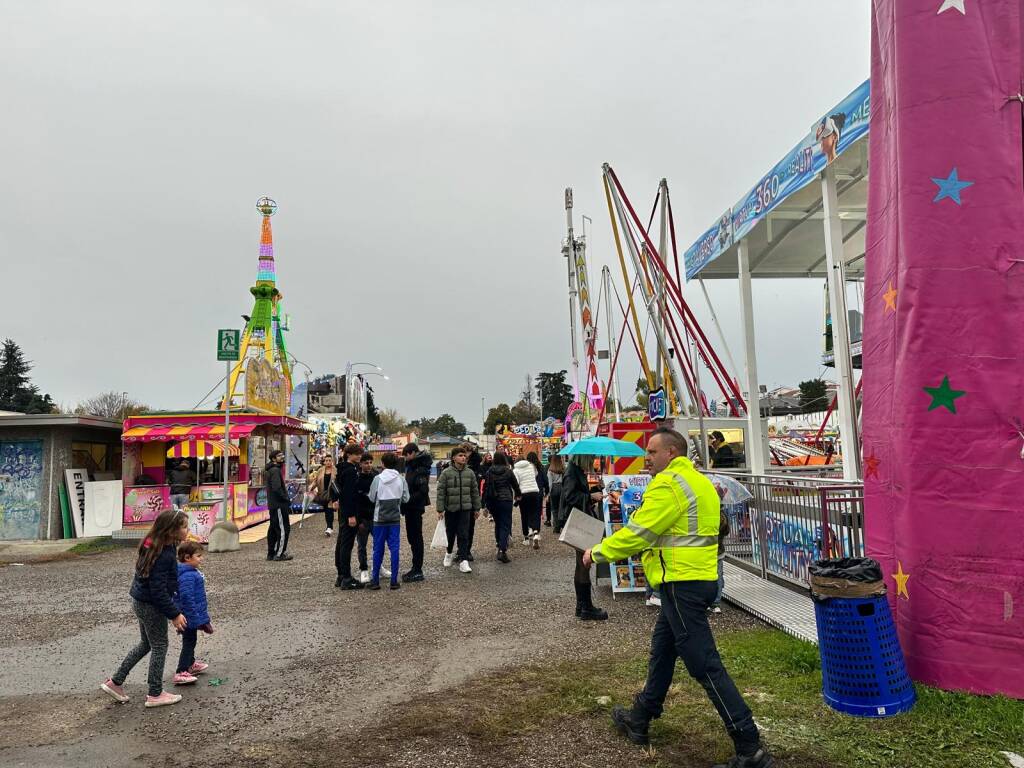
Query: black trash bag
x=860, y=569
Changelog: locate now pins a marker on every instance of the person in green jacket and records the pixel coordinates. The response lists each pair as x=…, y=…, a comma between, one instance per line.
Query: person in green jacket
x=676, y=530
x=457, y=502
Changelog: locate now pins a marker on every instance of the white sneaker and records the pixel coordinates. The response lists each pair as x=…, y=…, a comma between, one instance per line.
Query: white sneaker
x=449, y=558
x=716, y=609
x=464, y=567
x=653, y=601
x=329, y=532
x=536, y=541
x=385, y=572
x=364, y=577
x=526, y=541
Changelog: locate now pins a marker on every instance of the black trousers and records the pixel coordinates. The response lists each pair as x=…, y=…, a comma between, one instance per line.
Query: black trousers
x=456, y=525
x=501, y=511
x=553, y=499
x=188, y=649
x=529, y=511
x=280, y=528
x=329, y=515
x=363, y=530
x=343, y=548
x=414, y=534
x=682, y=632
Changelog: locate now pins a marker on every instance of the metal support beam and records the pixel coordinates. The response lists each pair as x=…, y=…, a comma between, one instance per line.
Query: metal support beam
x=840, y=327
x=754, y=444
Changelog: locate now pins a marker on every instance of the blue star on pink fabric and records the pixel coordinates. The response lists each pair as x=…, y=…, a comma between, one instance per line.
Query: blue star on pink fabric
x=950, y=187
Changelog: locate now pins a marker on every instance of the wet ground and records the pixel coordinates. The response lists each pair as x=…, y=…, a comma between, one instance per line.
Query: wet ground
x=304, y=665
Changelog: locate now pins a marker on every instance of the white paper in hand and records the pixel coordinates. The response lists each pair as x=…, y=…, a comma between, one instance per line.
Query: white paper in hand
x=440, y=540
x=581, y=531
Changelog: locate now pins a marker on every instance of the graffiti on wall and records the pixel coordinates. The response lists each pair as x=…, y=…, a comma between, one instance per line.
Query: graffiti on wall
x=21, y=489
x=791, y=545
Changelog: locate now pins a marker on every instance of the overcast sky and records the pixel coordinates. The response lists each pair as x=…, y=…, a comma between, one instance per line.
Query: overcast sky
x=418, y=152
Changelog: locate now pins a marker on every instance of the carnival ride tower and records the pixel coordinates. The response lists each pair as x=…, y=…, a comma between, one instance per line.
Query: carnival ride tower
x=592, y=395
x=263, y=336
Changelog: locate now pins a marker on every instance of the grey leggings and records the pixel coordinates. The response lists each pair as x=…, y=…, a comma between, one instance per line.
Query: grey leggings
x=153, y=631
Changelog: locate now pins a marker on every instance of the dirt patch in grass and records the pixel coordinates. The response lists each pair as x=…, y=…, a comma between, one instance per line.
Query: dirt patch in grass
x=549, y=715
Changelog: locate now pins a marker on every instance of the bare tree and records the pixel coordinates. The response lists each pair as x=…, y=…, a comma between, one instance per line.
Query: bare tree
x=391, y=421
x=111, y=405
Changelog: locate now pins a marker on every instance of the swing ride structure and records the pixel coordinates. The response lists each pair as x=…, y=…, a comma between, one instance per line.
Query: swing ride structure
x=652, y=277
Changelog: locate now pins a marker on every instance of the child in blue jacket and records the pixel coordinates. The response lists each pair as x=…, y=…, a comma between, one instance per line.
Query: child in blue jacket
x=192, y=599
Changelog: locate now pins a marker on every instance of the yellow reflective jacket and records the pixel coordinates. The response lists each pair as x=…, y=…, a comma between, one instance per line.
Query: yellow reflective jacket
x=676, y=528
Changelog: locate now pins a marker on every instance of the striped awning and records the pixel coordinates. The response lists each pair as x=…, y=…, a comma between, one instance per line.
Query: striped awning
x=200, y=449
x=168, y=434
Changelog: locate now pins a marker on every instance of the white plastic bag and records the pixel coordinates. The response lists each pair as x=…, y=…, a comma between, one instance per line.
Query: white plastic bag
x=440, y=540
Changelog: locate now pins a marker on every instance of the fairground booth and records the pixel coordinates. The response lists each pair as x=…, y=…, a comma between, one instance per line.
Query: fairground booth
x=256, y=403
x=154, y=443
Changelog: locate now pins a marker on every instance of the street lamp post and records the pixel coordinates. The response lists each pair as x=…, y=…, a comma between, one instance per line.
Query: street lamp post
x=349, y=389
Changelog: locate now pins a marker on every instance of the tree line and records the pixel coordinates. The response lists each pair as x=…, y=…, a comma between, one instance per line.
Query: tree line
x=19, y=394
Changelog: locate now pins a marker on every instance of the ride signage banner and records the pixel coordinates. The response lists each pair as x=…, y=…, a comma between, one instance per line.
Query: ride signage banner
x=829, y=137
x=710, y=245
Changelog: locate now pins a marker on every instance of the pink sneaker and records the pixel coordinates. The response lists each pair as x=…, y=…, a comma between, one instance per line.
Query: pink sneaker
x=162, y=700
x=184, y=678
x=198, y=667
x=114, y=690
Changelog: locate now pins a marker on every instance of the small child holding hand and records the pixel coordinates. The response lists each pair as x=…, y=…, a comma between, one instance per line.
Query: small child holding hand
x=192, y=599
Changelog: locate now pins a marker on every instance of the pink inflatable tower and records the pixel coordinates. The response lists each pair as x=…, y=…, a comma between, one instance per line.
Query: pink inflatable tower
x=943, y=419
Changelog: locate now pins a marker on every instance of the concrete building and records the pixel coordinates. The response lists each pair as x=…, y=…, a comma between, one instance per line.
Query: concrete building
x=35, y=450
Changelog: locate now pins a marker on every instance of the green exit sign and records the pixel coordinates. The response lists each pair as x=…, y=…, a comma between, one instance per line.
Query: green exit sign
x=228, y=344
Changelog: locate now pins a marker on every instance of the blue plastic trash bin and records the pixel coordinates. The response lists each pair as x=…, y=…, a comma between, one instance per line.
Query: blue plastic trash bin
x=862, y=668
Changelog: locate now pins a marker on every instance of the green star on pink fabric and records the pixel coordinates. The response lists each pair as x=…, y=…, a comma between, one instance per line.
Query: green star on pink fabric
x=944, y=396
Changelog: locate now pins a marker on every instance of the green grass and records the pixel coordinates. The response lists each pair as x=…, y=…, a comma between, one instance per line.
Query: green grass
x=93, y=546
x=781, y=678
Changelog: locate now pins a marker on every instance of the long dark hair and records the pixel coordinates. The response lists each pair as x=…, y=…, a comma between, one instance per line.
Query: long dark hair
x=499, y=460
x=535, y=460
x=164, y=531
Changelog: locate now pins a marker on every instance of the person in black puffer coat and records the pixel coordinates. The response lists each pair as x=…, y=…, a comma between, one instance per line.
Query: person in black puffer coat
x=500, y=489
x=417, y=477
x=578, y=494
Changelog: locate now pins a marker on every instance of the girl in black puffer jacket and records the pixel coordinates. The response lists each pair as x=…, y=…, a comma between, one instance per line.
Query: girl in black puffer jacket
x=500, y=489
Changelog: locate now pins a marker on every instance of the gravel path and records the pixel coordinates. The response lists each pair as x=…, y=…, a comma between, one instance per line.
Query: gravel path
x=303, y=661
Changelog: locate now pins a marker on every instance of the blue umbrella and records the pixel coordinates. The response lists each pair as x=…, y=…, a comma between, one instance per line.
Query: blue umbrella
x=601, y=446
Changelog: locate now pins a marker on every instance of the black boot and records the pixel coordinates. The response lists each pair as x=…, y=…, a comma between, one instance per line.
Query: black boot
x=632, y=723
x=579, y=597
x=589, y=611
x=759, y=759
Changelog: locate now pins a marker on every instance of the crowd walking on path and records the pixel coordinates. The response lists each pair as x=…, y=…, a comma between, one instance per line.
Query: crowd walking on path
x=678, y=532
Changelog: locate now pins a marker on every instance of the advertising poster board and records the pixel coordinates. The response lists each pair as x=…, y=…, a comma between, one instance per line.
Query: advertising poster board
x=76, y=480
x=103, y=507
x=623, y=496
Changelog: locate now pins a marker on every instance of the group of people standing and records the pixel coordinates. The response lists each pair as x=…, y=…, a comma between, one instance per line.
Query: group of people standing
x=366, y=503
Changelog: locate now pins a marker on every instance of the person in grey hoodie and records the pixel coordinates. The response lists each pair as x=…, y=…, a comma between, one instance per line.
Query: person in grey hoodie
x=388, y=492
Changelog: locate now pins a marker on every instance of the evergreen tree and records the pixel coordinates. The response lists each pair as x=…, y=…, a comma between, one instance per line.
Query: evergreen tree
x=813, y=395
x=554, y=393
x=17, y=392
x=372, y=416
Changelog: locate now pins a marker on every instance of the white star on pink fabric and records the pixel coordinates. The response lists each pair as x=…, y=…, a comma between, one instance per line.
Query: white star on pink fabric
x=951, y=4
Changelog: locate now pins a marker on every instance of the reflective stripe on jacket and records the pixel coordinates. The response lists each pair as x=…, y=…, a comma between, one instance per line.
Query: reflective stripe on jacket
x=676, y=528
